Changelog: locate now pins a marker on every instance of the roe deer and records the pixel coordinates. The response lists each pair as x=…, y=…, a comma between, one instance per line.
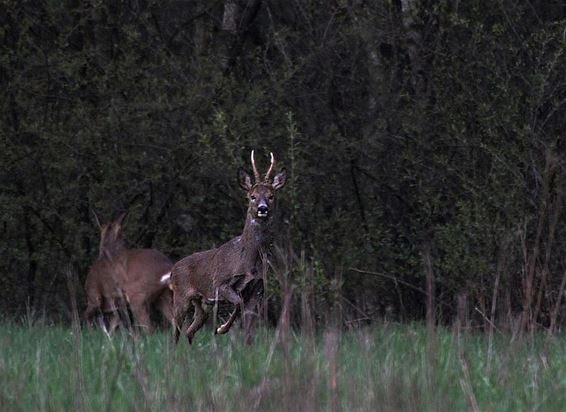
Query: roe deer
x=133, y=276
x=105, y=299
x=231, y=272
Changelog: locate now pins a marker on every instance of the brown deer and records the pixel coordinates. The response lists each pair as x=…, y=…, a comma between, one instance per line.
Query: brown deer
x=122, y=277
x=231, y=272
x=105, y=299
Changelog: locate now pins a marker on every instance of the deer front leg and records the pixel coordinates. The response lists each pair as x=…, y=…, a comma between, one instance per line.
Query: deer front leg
x=225, y=327
x=229, y=294
x=240, y=285
x=255, y=295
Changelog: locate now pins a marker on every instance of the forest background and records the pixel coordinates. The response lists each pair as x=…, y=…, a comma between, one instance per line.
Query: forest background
x=424, y=140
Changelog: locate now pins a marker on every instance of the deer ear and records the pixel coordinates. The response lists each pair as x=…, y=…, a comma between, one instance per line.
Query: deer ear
x=244, y=179
x=280, y=179
x=120, y=219
x=96, y=220
x=104, y=231
x=117, y=225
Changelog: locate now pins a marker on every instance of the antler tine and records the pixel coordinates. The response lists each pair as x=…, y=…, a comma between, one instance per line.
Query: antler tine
x=256, y=173
x=270, y=167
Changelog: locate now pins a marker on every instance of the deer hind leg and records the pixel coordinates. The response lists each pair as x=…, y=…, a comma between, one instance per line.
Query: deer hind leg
x=95, y=316
x=165, y=306
x=121, y=316
x=93, y=309
x=198, y=320
x=88, y=317
x=114, y=322
x=140, y=312
x=181, y=306
x=102, y=323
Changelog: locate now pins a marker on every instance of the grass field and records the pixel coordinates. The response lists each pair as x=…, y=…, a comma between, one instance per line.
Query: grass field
x=386, y=367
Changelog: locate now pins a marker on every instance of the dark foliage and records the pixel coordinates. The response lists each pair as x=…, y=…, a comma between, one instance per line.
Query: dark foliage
x=410, y=128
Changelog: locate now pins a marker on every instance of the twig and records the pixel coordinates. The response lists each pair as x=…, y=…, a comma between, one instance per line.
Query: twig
x=395, y=279
x=486, y=319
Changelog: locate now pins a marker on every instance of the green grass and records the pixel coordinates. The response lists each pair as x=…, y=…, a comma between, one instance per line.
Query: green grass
x=385, y=367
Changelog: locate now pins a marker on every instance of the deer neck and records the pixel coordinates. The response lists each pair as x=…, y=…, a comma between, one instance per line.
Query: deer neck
x=257, y=235
x=113, y=250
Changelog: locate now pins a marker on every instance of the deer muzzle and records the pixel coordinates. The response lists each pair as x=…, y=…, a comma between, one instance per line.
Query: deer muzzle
x=262, y=210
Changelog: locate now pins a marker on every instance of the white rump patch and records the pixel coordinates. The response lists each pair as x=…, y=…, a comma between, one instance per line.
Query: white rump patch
x=165, y=278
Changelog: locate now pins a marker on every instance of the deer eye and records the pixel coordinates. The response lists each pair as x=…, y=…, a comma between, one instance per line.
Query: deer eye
x=270, y=197
x=252, y=197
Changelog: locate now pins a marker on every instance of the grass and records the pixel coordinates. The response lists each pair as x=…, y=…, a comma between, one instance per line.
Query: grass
x=387, y=367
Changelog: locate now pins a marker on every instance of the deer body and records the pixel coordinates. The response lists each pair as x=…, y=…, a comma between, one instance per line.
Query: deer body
x=233, y=264
x=122, y=276
x=231, y=272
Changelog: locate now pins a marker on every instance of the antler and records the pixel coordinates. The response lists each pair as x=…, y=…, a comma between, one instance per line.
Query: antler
x=266, y=179
x=256, y=173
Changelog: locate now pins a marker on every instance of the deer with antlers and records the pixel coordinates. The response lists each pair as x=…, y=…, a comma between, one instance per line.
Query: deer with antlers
x=121, y=278
x=232, y=272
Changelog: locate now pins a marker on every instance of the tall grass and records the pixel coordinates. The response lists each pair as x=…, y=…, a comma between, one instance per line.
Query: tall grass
x=386, y=367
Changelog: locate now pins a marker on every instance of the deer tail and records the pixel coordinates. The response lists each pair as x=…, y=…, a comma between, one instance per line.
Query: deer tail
x=165, y=279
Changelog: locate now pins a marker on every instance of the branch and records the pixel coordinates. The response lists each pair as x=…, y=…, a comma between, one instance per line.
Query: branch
x=393, y=278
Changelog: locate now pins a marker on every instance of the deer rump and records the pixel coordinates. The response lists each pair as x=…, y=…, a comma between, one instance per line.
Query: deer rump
x=143, y=270
x=129, y=282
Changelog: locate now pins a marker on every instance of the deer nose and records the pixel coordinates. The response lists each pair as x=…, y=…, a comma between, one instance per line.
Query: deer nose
x=262, y=210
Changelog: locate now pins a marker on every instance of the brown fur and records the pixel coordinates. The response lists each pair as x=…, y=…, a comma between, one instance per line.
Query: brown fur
x=122, y=276
x=231, y=272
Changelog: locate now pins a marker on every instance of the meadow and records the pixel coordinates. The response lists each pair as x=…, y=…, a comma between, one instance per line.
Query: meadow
x=388, y=367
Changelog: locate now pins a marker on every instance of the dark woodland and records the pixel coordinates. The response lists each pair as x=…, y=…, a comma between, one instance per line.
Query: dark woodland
x=424, y=141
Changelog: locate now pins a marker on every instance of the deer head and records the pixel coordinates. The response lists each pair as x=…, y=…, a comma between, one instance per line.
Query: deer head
x=111, y=239
x=261, y=193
